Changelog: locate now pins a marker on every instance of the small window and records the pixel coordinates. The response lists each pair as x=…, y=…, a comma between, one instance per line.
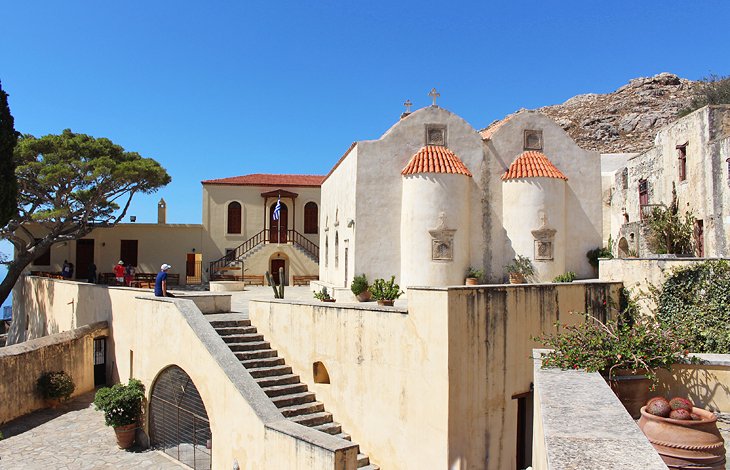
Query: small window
x=311, y=219
x=234, y=217
x=44, y=259
x=643, y=196
x=337, y=250
x=728, y=167
x=326, y=250
x=682, y=163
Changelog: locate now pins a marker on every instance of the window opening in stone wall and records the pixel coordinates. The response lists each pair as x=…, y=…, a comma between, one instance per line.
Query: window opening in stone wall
x=234, y=217
x=337, y=250
x=625, y=178
x=699, y=235
x=319, y=371
x=326, y=250
x=532, y=140
x=311, y=219
x=682, y=163
x=643, y=196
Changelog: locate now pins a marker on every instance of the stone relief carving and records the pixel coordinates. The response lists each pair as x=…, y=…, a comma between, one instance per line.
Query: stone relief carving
x=533, y=139
x=442, y=243
x=435, y=134
x=544, y=237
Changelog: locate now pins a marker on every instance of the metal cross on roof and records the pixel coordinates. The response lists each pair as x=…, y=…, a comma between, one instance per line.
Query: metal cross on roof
x=408, y=105
x=434, y=94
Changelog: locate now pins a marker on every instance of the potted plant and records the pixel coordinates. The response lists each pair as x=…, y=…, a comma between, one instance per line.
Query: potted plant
x=55, y=387
x=323, y=295
x=473, y=276
x=520, y=269
x=359, y=287
x=122, y=407
x=385, y=292
x=627, y=351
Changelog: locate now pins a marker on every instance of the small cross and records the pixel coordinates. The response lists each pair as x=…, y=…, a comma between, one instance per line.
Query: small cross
x=408, y=105
x=434, y=94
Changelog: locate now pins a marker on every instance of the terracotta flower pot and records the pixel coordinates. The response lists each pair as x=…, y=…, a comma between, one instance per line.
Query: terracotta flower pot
x=632, y=389
x=53, y=403
x=386, y=303
x=471, y=281
x=125, y=435
x=364, y=296
x=328, y=300
x=516, y=278
x=684, y=443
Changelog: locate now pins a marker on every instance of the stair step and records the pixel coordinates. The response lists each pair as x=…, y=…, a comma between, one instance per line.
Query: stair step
x=277, y=380
x=287, y=389
x=369, y=467
x=302, y=409
x=333, y=428
x=259, y=353
x=262, y=362
x=269, y=371
x=229, y=323
x=235, y=330
x=293, y=399
x=247, y=338
x=313, y=419
x=343, y=435
x=362, y=460
x=251, y=346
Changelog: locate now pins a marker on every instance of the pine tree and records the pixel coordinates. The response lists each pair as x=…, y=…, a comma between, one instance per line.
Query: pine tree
x=8, y=182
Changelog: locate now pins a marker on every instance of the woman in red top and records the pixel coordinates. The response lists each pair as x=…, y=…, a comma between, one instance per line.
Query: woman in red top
x=119, y=273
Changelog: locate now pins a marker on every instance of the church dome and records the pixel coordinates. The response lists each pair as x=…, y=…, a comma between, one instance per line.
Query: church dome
x=533, y=164
x=435, y=159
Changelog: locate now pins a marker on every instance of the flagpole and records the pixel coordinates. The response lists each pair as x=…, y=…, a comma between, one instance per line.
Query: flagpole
x=278, y=220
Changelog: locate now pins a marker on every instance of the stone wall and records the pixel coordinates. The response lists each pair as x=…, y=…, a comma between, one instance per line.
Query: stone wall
x=22, y=364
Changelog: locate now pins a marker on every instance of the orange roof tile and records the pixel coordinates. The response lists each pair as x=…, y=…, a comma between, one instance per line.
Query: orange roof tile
x=435, y=159
x=260, y=179
x=533, y=164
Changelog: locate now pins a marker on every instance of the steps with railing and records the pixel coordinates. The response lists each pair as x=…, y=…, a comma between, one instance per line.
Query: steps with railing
x=238, y=254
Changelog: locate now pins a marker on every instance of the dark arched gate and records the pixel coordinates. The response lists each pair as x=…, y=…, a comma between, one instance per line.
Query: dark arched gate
x=179, y=425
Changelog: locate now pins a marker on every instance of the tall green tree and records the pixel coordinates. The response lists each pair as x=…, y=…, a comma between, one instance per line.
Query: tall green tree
x=8, y=140
x=68, y=184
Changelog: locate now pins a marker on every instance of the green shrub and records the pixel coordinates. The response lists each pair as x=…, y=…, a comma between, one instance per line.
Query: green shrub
x=567, y=277
x=322, y=295
x=711, y=90
x=596, y=253
x=121, y=404
x=359, y=284
x=521, y=265
x=55, y=385
x=696, y=301
x=474, y=273
x=385, y=290
x=669, y=232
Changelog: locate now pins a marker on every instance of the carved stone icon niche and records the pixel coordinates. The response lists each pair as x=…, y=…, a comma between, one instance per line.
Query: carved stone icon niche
x=442, y=241
x=533, y=140
x=544, y=237
x=435, y=134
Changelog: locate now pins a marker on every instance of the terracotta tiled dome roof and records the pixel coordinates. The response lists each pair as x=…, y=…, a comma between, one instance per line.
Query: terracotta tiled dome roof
x=435, y=159
x=533, y=164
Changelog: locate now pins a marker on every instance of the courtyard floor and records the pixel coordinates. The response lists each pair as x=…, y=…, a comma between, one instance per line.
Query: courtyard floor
x=73, y=436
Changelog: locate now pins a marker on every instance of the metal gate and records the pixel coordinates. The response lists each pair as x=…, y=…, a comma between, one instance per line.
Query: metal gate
x=179, y=424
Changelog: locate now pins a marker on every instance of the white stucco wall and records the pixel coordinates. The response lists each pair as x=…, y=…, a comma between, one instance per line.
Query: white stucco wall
x=425, y=197
x=525, y=202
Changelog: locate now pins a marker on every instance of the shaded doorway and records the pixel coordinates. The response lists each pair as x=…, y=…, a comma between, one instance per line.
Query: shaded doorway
x=99, y=361
x=277, y=263
x=278, y=228
x=523, y=450
x=84, y=257
x=179, y=424
x=699, y=234
x=193, y=268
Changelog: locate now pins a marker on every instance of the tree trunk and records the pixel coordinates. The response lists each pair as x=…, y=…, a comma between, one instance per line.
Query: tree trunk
x=15, y=269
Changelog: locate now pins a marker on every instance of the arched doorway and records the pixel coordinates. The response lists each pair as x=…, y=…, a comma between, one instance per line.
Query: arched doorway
x=277, y=228
x=179, y=424
x=623, y=248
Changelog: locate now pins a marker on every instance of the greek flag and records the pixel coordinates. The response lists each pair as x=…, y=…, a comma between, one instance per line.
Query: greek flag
x=277, y=210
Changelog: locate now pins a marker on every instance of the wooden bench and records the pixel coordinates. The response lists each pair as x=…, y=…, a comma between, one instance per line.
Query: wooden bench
x=253, y=279
x=173, y=279
x=304, y=280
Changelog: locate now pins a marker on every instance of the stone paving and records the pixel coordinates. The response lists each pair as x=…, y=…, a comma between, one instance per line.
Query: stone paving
x=73, y=436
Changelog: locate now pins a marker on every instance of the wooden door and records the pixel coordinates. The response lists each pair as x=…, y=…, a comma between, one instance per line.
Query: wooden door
x=84, y=258
x=275, y=265
x=128, y=252
x=277, y=228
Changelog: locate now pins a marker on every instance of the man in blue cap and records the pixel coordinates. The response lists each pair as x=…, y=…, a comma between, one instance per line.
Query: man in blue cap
x=161, y=282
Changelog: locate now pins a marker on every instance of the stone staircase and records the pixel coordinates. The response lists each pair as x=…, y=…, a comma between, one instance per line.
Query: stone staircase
x=275, y=378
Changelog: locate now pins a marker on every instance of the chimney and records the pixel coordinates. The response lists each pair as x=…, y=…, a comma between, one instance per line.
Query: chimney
x=162, y=212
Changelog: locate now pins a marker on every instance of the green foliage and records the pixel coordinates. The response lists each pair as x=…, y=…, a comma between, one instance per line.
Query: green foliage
x=475, y=273
x=596, y=253
x=8, y=140
x=57, y=385
x=521, y=265
x=711, y=90
x=71, y=183
x=632, y=342
x=121, y=404
x=359, y=284
x=385, y=290
x=696, y=301
x=322, y=295
x=566, y=277
x=668, y=231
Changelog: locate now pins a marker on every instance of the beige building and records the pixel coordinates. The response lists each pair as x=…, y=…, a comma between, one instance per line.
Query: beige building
x=692, y=155
x=433, y=197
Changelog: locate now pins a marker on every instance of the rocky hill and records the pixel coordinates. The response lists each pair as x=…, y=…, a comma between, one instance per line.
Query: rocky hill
x=626, y=120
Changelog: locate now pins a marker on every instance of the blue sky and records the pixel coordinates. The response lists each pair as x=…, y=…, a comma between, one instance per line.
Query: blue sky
x=225, y=88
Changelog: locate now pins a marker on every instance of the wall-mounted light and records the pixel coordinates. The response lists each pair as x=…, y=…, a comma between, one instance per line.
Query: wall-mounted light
x=350, y=223
x=133, y=218
x=193, y=250
x=103, y=243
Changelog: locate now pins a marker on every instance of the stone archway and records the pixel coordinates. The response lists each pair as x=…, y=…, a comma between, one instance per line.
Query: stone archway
x=623, y=248
x=179, y=424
